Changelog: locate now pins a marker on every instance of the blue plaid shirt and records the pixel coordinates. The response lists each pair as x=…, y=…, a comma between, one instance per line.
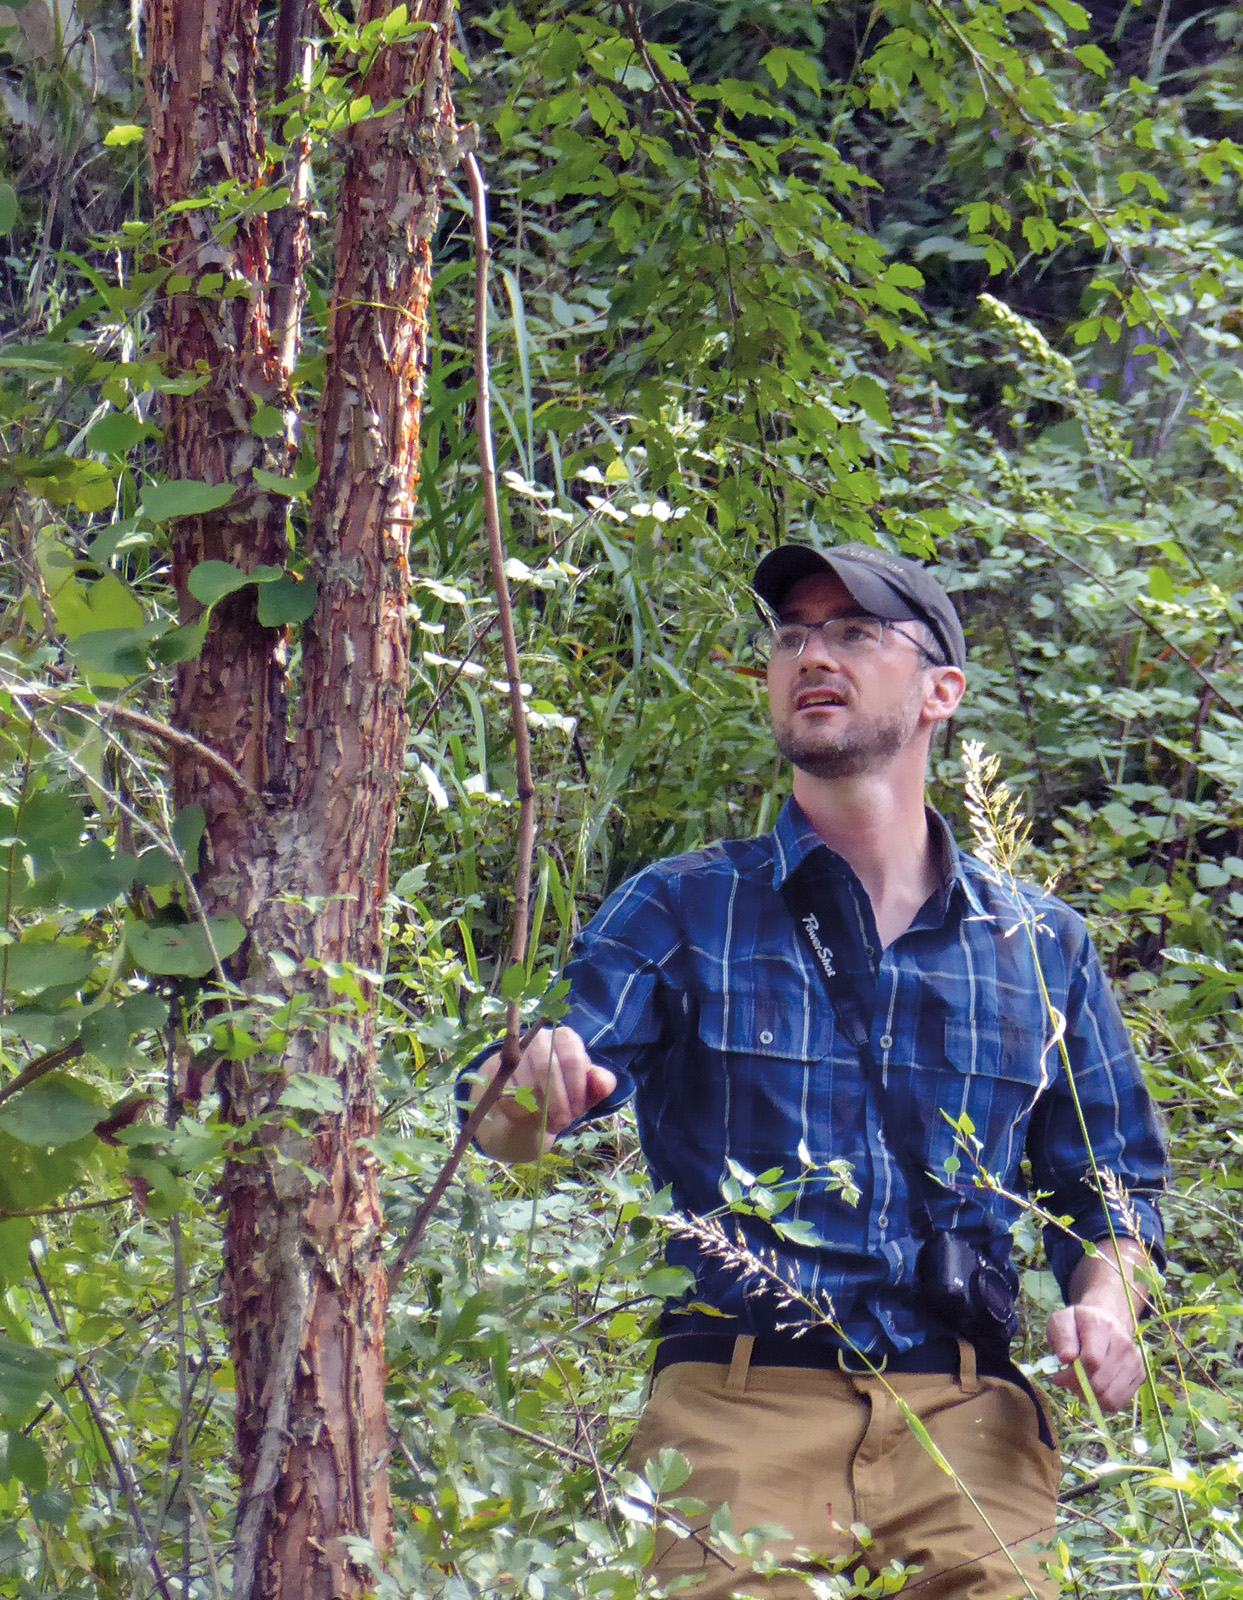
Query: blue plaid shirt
x=694, y=986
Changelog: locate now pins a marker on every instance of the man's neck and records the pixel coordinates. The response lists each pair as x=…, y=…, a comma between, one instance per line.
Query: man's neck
x=880, y=829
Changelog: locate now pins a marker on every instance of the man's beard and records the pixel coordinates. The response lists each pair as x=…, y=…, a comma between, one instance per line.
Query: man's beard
x=854, y=752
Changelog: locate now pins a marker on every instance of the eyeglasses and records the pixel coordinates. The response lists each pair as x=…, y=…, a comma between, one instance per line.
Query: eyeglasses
x=842, y=636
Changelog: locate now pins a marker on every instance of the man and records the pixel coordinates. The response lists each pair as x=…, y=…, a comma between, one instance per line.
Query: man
x=853, y=1002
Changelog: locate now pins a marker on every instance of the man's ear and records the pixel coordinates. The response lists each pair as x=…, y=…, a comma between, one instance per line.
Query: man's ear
x=945, y=687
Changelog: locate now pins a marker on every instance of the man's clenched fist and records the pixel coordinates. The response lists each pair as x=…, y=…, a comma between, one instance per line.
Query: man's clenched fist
x=565, y=1083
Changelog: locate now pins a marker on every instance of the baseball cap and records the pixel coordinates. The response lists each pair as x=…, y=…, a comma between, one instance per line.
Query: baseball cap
x=888, y=586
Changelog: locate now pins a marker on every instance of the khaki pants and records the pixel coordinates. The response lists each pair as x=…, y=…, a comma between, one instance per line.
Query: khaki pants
x=816, y=1451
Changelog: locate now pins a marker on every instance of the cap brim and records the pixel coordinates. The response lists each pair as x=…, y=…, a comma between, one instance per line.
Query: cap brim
x=789, y=564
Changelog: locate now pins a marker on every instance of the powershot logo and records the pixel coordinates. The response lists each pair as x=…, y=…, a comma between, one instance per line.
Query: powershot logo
x=812, y=923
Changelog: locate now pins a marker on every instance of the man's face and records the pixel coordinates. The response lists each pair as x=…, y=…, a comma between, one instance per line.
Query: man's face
x=843, y=715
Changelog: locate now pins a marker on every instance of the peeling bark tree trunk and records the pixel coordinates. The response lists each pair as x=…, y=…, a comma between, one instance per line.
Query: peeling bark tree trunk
x=303, y=861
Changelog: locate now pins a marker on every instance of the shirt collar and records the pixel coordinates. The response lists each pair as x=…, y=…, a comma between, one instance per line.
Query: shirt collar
x=794, y=839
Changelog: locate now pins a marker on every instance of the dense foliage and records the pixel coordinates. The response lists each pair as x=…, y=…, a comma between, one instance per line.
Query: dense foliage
x=955, y=276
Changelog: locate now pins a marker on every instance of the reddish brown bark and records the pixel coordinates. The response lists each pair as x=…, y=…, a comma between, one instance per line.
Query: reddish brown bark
x=202, y=68
x=307, y=869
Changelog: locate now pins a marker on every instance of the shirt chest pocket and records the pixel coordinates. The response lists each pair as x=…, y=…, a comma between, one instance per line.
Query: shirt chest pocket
x=976, y=1102
x=761, y=1060
x=779, y=1020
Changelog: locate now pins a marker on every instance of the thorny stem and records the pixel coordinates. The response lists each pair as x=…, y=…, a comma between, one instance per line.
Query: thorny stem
x=515, y=1042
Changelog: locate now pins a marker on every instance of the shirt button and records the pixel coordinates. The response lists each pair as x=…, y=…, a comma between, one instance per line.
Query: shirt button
x=883, y=1220
x=886, y=1041
x=766, y=1037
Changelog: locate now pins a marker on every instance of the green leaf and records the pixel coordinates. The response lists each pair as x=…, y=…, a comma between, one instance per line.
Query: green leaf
x=51, y=1112
x=1094, y=59
x=15, y=1237
x=868, y=395
x=26, y=1374
x=30, y=1177
x=1160, y=584
x=267, y=422
x=48, y=355
x=308, y=1091
x=106, y=1036
x=113, y=652
x=667, y=1472
x=183, y=497
x=53, y=1505
x=157, y=869
x=27, y=1462
x=118, y=432
x=182, y=643
x=189, y=825
x=8, y=207
x=122, y=134
x=287, y=600
x=104, y=606
x=1074, y=16
x=668, y=1281
x=92, y=877
x=183, y=951
x=293, y=487
x=781, y=62
x=513, y=984
x=212, y=580
x=49, y=822
x=40, y=964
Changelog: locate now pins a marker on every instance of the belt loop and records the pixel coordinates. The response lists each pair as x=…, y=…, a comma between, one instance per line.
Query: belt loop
x=740, y=1364
x=968, y=1378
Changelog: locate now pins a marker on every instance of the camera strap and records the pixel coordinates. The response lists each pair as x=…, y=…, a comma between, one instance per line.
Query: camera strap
x=808, y=892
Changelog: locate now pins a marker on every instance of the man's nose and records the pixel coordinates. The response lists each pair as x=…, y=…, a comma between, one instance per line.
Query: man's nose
x=818, y=651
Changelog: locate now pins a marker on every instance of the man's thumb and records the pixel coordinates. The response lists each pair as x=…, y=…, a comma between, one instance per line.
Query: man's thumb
x=1063, y=1335
x=600, y=1084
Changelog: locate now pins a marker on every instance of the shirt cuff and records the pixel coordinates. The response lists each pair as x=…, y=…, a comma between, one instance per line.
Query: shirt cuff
x=1065, y=1251
x=464, y=1083
x=464, y=1086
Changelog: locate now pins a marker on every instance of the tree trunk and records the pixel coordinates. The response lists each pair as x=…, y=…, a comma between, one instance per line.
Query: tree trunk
x=303, y=860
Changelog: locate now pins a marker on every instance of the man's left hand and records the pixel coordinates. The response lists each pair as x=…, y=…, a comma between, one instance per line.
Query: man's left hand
x=1105, y=1344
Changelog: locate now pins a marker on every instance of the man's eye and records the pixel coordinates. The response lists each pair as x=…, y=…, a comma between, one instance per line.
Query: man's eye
x=855, y=632
x=789, y=638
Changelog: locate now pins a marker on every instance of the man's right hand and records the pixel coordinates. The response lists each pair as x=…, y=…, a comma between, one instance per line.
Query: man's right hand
x=565, y=1084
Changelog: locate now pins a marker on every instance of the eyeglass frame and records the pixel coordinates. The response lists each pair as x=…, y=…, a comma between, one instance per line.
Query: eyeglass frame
x=886, y=624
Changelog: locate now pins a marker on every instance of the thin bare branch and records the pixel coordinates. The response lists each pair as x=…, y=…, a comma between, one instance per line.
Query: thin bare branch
x=129, y=1488
x=144, y=724
x=511, y=1049
x=496, y=552
x=39, y=1068
x=491, y=1094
